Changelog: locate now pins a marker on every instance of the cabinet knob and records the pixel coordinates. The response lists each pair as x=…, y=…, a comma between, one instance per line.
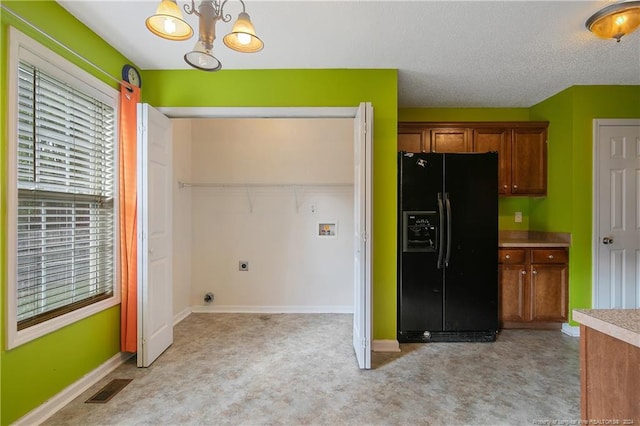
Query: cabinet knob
x=505, y=186
x=550, y=256
x=523, y=272
x=534, y=272
x=515, y=186
x=508, y=256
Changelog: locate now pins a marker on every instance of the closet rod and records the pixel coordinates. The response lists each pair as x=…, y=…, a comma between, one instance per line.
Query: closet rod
x=259, y=185
x=68, y=49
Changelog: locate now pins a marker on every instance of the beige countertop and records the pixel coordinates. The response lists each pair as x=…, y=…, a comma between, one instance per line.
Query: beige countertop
x=623, y=324
x=533, y=239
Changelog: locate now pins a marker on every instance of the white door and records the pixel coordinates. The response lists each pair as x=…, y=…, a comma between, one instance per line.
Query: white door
x=155, y=287
x=617, y=214
x=363, y=151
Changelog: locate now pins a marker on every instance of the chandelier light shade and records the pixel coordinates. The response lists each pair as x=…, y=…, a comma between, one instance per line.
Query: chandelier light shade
x=169, y=24
x=202, y=58
x=242, y=37
x=615, y=20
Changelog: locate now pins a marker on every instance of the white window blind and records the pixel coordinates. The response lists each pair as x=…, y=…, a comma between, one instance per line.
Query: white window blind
x=65, y=213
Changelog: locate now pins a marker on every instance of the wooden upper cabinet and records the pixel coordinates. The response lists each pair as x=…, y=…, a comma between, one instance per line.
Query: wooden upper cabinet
x=413, y=140
x=450, y=140
x=529, y=161
x=521, y=148
x=497, y=140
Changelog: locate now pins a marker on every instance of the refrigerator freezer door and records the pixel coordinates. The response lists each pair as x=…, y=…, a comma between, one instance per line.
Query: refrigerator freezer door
x=420, y=282
x=471, y=278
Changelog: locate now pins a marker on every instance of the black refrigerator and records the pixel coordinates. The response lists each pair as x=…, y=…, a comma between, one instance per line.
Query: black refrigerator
x=447, y=247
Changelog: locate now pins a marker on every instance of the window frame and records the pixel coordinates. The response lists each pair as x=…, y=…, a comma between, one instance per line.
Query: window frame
x=22, y=47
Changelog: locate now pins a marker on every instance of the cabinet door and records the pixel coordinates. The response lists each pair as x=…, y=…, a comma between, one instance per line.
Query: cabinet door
x=512, y=281
x=450, y=140
x=529, y=161
x=412, y=141
x=498, y=140
x=548, y=292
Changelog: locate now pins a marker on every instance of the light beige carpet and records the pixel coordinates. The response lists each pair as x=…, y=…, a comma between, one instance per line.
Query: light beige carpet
x=290, y=369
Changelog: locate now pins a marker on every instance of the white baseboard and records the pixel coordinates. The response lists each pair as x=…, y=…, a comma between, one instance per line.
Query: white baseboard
x=385, y=346
x=181, y=315
x=68, y=394
x=571, y=330
x=292, y=309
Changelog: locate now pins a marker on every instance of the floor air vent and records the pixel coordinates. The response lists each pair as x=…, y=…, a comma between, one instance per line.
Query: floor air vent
x=108, y=391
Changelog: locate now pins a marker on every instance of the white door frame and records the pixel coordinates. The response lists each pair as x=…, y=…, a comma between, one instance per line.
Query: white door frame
x=282, y=112
x=595, y=236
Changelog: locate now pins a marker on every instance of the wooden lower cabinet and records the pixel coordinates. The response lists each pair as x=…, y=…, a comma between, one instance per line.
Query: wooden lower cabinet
x=609, y=379
x=512, y=292
x=533, y=286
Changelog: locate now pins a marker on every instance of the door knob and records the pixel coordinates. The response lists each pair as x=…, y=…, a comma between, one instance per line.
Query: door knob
x=607, y=240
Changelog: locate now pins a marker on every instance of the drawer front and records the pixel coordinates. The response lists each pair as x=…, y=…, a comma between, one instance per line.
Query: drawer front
x=549, y=256
x=512, y=256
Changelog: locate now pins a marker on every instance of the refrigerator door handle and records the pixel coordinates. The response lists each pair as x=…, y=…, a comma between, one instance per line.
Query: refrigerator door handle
x=448, y=207
x=441, y=244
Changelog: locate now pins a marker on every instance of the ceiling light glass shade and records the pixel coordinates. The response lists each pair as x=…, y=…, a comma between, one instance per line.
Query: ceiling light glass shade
x=168, y=22
x=202, y=58
x=616, y=20
x=242, y=37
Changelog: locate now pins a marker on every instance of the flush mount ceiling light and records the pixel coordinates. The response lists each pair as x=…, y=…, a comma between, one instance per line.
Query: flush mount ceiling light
x=169, y=24
x=615, y=20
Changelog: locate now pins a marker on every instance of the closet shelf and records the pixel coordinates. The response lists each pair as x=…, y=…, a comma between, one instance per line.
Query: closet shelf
x=261, y=185
x=298, y=189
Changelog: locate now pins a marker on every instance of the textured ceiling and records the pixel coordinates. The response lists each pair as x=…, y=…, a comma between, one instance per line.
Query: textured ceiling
x=448, y=53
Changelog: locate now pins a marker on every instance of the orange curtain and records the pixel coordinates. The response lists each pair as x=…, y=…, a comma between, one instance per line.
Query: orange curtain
x=129, y=97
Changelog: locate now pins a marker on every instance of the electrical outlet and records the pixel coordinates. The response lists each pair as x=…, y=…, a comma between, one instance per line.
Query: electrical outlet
x=518, y=217
x=243, y=265
x=314, y=207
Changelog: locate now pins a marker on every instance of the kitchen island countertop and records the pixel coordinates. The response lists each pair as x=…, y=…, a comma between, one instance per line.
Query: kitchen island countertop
x=622, y=324
x=532, y=239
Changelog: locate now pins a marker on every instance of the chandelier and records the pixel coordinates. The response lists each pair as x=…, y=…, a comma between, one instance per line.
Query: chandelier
x=169, y=24
x=615, y=20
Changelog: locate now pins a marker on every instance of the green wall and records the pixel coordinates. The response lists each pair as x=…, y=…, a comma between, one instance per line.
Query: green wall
x=34, y=372
x=312, y=88
x=463, y=114
x=507, y=206
x=568, y=206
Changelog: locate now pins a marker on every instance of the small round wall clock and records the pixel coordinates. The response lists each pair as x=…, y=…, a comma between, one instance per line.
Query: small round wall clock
x=131, y=75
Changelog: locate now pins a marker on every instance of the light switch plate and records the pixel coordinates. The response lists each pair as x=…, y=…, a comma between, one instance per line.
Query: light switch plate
x=518, y=217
